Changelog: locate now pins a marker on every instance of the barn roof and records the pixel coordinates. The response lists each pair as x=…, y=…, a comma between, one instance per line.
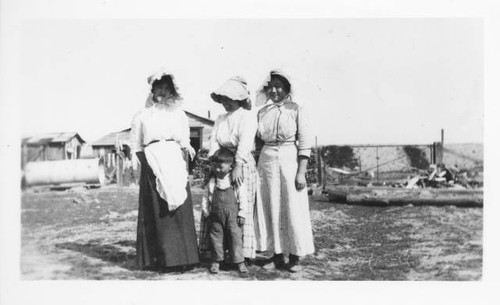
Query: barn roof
x=52, y=137
x=203, y=119
x=124, y=135
x=110, y=139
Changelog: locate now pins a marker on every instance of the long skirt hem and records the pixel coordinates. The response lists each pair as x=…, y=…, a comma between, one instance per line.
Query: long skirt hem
x=164, y=238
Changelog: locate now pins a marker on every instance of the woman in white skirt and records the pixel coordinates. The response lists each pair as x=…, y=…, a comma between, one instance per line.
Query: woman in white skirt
x=282, y=165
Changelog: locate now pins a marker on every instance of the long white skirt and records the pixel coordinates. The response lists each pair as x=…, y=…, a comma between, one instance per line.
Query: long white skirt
x=287, y=224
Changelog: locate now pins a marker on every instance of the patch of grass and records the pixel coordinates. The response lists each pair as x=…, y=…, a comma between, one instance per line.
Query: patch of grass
x=77, y=241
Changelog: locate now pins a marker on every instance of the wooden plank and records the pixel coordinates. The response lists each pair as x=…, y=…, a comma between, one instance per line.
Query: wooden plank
x=403, y=196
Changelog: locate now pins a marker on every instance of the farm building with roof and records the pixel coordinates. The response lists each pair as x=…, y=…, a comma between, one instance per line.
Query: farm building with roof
x=51, y=147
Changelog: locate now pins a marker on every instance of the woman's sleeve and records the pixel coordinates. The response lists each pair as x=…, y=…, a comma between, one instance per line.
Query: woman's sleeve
x=136, y=134
x=184, y=130
x=206, y=201
x=241, y=194
x=246, y=136
x=214, y=144
x=304, y=135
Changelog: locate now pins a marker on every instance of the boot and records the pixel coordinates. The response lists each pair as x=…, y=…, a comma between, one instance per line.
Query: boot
x=294, y=264
x=242, y=267
x=277, y=262
x=214, y=268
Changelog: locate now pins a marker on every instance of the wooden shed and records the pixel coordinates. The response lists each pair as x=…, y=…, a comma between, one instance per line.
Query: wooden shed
x=200, y=130
x=51, y=147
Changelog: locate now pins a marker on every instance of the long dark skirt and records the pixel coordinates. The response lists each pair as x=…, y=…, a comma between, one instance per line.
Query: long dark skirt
x=164, y=238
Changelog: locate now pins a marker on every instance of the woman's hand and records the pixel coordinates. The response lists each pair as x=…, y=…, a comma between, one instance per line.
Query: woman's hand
x=191, y=151
x=300, y=178
x=300, y=181
x=237, y=174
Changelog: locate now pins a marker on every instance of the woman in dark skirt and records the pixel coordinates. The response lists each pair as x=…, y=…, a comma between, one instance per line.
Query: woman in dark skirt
x=166, y=235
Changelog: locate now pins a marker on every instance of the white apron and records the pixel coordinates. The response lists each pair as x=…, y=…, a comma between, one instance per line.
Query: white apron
x=168, y=165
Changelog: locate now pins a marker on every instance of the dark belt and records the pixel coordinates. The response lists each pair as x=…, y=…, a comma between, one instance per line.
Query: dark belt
x=155, y=141
x=280, y=143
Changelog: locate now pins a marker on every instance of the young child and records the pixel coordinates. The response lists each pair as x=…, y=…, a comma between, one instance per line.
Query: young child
x=224, y=209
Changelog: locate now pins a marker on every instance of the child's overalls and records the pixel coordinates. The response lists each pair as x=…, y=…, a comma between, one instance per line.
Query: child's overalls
x=223, y=222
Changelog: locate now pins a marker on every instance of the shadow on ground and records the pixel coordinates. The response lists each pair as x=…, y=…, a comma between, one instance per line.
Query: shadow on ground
x=106, y=252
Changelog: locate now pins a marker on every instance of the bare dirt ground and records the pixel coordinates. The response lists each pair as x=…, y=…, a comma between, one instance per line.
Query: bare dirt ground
x=90, y=234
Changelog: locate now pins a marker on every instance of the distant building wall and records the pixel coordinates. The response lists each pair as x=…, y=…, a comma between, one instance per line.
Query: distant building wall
x=202, y=129
x=51, y=147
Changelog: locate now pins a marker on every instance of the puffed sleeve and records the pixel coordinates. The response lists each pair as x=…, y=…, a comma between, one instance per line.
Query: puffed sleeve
x=136, y=134
x=304, y=135
x=214, y=144
x=184, y=129
x=246, y=135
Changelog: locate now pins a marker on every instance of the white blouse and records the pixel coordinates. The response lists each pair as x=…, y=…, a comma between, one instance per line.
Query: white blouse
x=159, y=122
x=235, y=130
x=285, y=122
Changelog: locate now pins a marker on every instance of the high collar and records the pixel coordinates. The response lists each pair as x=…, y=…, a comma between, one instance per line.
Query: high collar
x=234, y=111
x=285, y=100
x=163, y=106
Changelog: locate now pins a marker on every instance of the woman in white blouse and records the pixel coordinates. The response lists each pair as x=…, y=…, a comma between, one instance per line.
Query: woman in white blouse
x=283, y=132
x=166, y=234
x=235, y=130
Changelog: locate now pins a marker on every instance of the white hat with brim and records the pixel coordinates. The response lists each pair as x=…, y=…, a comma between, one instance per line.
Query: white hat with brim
x=235, y=89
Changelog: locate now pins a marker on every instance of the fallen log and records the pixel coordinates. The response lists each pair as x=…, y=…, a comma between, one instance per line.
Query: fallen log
x=384, y=196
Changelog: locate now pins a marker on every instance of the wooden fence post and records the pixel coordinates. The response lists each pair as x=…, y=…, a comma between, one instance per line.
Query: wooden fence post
x=24, y=158
x=320, y=166
x=119, y=170
x=438, y=153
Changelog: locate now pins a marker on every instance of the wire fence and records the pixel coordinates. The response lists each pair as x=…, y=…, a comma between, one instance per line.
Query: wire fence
x=370, y=164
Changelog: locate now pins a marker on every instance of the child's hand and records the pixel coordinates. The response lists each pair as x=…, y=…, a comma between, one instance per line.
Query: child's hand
x=205, y=213
x=241, y=221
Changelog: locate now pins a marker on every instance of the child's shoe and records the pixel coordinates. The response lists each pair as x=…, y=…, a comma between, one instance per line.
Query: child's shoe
x=214, y=268
x=242, y=268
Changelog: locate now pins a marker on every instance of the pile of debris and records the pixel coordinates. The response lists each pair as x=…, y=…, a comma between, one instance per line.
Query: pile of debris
x=435, y=176
x=440, y=176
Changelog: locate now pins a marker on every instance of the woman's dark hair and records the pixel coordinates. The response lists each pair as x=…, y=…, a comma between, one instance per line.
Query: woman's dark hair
x=223, y=155
x=167, y=79
x=285, y=82
x=243, y=103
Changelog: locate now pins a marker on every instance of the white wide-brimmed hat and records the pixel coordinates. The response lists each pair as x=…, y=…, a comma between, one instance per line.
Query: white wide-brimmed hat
x=234, y=88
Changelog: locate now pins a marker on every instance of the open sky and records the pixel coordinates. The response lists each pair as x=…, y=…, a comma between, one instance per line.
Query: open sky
x=364, y=81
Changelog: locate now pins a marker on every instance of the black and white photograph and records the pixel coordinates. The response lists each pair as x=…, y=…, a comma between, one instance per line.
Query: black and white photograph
x=286, y=148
